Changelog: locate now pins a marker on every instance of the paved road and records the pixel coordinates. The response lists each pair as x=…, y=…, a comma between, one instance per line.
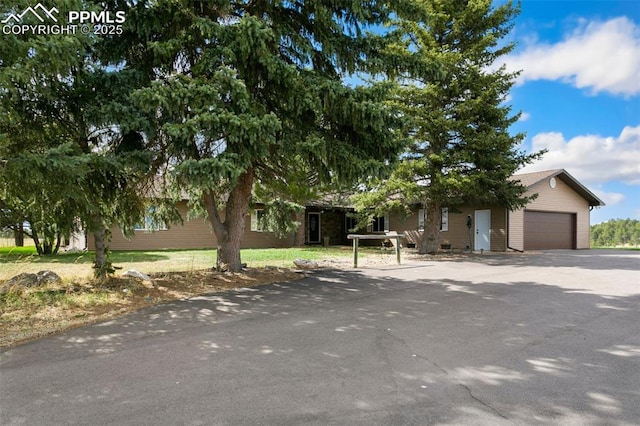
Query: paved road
x=552, y=338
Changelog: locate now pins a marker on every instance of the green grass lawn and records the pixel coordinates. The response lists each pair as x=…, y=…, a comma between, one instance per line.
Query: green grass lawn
x=14, y=260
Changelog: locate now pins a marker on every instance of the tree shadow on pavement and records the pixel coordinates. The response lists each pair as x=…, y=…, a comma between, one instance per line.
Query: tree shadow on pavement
x=349, y=347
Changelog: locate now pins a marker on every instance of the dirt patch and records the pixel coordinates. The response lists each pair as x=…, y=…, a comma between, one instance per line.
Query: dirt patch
x=38, y=312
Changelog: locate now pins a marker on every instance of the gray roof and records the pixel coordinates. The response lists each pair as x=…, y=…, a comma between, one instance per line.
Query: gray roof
x=332, y=200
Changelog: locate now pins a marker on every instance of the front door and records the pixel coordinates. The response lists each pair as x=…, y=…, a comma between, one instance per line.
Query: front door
x=483, y=230
x=314, y=228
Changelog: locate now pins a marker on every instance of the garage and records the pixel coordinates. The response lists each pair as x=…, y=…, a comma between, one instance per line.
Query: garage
x=557, y=216
x=549, y=230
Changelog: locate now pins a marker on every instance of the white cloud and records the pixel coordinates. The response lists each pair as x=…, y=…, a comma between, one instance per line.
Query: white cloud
x=592, y=159
x=525, y=116
x=600, y=56
x=609, y=198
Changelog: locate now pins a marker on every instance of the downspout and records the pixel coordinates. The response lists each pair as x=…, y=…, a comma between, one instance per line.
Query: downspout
x=508, y=246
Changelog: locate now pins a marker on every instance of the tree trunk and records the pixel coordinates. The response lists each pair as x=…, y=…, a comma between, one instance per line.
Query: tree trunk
x=431, y=235
x=36, y=241
x=47, y=247
x=229, y=233
x=228, y=255
x=18, y=235
x=298, y=235
x=101, y=265
x=57, y=247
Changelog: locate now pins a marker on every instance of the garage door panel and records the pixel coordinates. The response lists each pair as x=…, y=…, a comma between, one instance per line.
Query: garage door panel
x=549, y=230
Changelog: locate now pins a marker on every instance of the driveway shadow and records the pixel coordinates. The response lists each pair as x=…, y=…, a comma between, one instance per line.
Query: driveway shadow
x=348, y=347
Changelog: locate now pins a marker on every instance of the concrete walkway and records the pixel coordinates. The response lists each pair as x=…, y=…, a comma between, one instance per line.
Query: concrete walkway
x=550, y=338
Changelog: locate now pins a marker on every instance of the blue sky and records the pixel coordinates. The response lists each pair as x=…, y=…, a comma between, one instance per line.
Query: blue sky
x=579, y=93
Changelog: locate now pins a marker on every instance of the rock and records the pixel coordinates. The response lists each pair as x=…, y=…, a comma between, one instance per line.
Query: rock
x=27, y=280
x=48, y=277
x=74, y=250
x=305, y=264
x=137, y=274
x=24, y=280
x=223, y=267
x=19, y=282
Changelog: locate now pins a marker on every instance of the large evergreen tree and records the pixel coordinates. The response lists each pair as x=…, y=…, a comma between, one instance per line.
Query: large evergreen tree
x=252, y=93
x=70, y=146
x=461, y=151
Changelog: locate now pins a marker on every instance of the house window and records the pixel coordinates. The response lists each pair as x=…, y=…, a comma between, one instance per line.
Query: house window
x=150, y=223
x=380, y=224
x=444, y=219
x=350, y=224
x=256, y=220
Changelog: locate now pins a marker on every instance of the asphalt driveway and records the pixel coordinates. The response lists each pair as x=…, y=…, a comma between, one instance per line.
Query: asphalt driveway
x=548, y=338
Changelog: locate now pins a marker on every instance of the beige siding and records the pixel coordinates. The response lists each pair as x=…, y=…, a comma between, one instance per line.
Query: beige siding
x=253, y=239
x=458, y=233
x=407, y=225
x=559, y=199
x=498, y=229
x=516, y=230
x=192, y=234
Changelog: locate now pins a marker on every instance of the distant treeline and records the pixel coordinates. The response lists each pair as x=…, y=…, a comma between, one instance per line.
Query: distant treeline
x=616, y=233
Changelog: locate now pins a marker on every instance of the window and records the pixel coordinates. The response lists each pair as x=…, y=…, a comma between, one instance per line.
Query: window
x=380, y=224
x=444, y=219
x=151, y=223
x=350, y=223
x=256, y=220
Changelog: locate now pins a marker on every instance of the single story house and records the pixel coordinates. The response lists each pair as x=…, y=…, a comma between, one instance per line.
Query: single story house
x=557, y=219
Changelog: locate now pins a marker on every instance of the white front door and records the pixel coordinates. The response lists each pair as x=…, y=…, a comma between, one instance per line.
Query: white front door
x=483, y=230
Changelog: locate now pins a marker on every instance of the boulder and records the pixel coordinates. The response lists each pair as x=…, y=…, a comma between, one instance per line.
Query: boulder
x=24, y=279
x=27, y=280
x=137, y=274
x=306, y=264
x=48, y=277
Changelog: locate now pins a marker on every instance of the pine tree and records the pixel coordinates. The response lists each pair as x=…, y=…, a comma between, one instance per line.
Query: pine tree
x=452, y=92
x=250, y=94
x=66, y=124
